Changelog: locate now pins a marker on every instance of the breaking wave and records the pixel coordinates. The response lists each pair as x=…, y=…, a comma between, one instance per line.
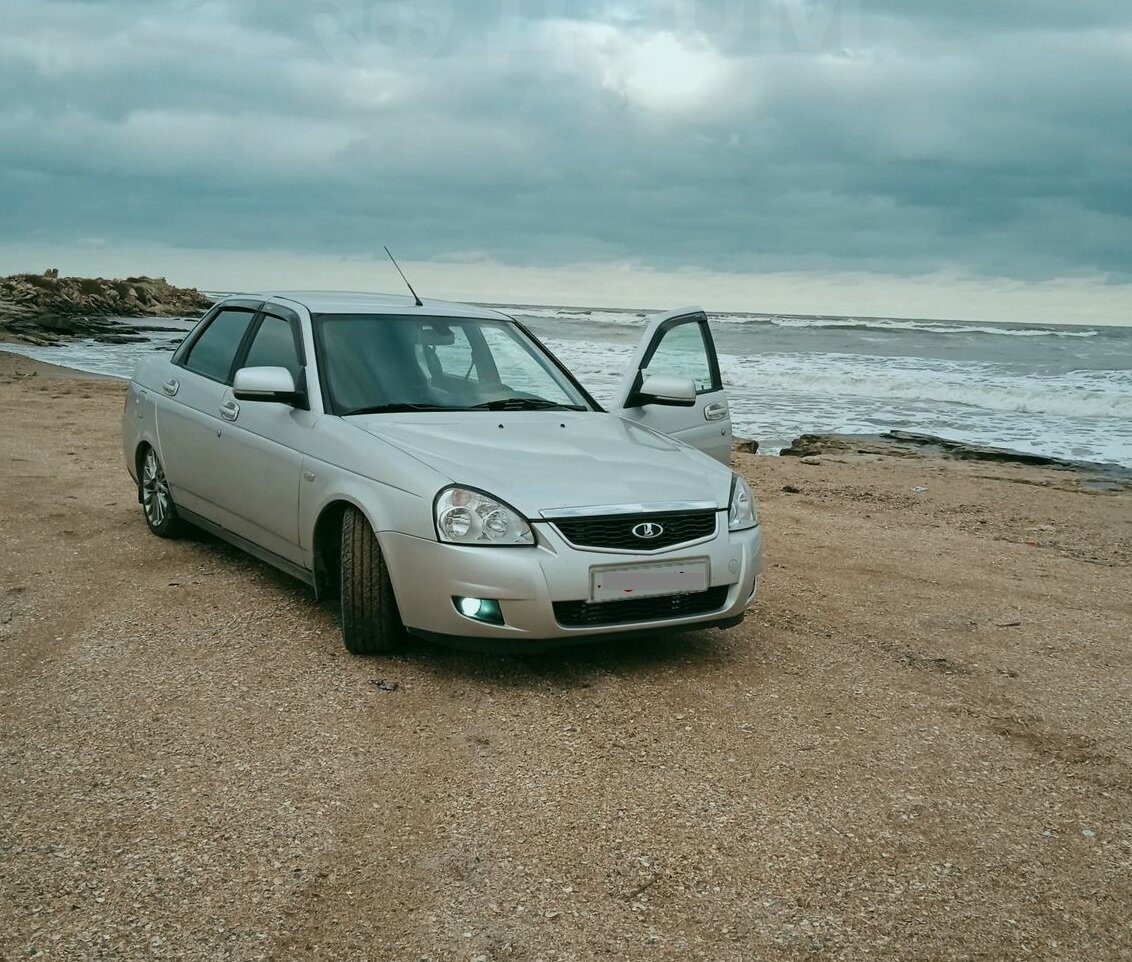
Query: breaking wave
x=921, y=327
x=636, y=319
x=580, y=315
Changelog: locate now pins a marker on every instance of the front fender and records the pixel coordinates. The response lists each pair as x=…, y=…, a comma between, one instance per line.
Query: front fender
x=345, y=465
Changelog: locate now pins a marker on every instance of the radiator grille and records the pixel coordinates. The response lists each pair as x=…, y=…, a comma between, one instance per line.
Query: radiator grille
x=616, y=531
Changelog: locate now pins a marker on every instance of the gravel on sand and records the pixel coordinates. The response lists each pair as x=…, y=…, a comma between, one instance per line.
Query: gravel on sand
x=916, y=747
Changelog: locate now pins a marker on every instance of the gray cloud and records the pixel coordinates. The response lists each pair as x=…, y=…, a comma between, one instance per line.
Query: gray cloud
x=895, y=137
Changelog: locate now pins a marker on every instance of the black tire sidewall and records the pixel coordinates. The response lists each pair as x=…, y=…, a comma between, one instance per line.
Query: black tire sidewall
x=371, y=622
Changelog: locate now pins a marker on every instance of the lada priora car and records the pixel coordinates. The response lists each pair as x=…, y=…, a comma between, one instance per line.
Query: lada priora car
x=442, y=473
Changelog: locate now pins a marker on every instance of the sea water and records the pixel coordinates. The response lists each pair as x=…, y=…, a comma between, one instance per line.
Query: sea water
x=1059, y=390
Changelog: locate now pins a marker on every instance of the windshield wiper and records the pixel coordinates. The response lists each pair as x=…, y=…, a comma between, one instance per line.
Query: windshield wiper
x=524, y=404
x=397, y=409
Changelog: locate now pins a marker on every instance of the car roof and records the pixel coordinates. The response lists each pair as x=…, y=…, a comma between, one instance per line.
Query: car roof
x=360, y=302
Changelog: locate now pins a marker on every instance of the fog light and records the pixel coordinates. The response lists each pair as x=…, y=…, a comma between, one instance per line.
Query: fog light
x=480, y=609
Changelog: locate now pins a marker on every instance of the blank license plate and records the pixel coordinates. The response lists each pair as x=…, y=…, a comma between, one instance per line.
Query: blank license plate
x=645, y=581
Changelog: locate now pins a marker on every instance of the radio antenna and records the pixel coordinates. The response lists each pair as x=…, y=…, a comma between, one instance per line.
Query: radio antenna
x=416, y=296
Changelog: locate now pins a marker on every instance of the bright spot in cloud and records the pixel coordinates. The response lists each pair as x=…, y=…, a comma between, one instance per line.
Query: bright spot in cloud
x=666, y=73
x=659, y=72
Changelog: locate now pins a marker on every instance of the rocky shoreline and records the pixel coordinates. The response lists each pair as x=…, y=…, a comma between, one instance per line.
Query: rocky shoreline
x=46, y=308
x=910, y=444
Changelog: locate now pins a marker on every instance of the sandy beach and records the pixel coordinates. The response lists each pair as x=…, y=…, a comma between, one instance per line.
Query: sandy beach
x=916, y=747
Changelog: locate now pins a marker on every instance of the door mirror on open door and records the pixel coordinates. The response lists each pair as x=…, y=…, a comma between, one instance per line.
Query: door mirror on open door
x=672, y=384
x=669, y=390
x=264, y=384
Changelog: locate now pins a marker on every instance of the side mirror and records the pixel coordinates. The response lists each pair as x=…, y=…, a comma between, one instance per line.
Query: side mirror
x=669, y=390
x=265, y=384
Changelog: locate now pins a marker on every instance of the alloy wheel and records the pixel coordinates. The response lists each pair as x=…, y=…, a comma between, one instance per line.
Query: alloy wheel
x=155, y=490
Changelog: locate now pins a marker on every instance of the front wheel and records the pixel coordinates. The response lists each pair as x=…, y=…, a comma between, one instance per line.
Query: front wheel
x=371, y=624
x=157, y=503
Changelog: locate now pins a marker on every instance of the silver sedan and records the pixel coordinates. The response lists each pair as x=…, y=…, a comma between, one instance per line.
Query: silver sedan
x=443, y=474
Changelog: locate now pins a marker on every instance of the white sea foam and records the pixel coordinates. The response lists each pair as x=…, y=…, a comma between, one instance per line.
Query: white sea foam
x=111, y=360
x=924, y=327
x=989, y=387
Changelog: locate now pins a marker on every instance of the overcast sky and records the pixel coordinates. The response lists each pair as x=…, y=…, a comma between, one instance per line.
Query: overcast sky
x=950, y=158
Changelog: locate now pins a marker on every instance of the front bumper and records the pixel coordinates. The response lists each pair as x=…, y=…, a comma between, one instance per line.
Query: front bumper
x=527, y=582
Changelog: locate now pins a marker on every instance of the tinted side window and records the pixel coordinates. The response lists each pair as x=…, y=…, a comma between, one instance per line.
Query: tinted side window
x=682, y=351
x=274, y=346
x=215, y=350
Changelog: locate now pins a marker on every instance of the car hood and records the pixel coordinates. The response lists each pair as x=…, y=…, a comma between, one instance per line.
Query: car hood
x=537, y=461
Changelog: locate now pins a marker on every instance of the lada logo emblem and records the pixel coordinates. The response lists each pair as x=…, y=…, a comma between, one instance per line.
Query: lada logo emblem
x=648, y=531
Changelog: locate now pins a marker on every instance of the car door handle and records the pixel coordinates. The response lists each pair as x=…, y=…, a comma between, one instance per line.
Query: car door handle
x=230, y=410
x=715, y=412
x=171, y=387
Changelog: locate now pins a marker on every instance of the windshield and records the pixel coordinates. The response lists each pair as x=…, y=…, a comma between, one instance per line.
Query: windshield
x=385, y=363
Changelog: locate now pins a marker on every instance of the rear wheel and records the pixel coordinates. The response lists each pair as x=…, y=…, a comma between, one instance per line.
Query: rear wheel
x=157, y=502
x=371, y=624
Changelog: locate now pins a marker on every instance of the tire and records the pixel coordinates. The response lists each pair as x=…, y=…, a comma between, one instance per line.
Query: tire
x=157, y=502
x=371, y=624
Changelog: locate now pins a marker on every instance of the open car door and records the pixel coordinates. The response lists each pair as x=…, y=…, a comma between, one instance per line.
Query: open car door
x=673, y=384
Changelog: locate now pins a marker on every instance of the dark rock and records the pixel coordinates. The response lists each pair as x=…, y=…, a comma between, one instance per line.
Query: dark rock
x=120, y=339
x=811, y=445
x=791, y=489
x=963, y=451
x=746, y=446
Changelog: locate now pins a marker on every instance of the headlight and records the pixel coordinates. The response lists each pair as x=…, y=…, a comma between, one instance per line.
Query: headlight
x=465, y=516
x=744, y=512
